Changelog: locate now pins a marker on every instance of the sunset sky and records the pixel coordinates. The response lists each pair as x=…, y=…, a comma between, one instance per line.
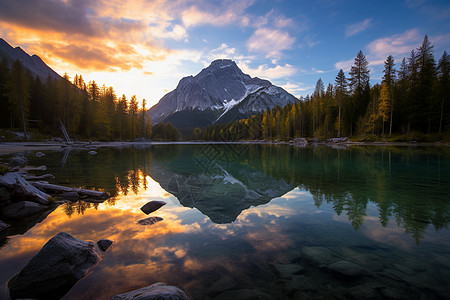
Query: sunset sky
x=145, y=47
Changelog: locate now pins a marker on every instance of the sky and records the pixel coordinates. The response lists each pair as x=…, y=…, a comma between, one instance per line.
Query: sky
x=144, y=47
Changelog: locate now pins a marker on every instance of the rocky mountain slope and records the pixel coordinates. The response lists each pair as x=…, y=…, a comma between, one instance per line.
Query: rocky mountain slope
x=220, y=93
x=33, y=63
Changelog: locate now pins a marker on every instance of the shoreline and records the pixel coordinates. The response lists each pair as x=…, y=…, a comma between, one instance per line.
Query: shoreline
x=14, y=147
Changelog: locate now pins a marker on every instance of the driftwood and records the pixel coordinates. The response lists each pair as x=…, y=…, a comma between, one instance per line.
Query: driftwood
x=51, y=188
x=22, y=189
x=33, y=177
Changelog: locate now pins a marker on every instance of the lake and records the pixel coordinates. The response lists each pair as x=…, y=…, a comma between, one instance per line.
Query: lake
x=244, y=220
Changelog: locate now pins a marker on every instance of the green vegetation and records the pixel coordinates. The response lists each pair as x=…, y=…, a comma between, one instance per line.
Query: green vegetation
x=412, y=103
x=86, y=110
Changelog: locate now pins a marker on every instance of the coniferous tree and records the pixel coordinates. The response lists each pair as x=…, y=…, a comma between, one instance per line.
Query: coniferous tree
x=359, y=84
x=389, y=80
x=427, y=71
x=18, y=94
x=341, y=94
x=443, y=91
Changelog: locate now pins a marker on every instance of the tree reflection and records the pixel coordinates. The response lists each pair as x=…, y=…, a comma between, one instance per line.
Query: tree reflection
x=408, y=185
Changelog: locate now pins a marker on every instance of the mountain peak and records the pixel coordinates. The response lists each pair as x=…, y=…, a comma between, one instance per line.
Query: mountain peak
x=212, y=93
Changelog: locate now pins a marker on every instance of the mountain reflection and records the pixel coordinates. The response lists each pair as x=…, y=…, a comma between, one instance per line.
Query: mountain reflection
x=408, y=185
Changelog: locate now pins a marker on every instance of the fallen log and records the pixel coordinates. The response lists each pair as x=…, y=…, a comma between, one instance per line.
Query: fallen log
x=33, y=177
x=52, y=188
x=21, y=189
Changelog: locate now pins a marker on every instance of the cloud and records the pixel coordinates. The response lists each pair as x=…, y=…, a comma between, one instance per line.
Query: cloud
x=264, y=71
x=227, y=13
x=294, y=88
x=398, y=45
x=354, y=29
x=70, y=16
x=345, y=65
x=270, y=42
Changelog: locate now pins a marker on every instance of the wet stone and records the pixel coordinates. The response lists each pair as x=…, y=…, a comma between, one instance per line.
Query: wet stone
x=152, y=206
x=288, y=270
x=104, y=244
x=22, y=210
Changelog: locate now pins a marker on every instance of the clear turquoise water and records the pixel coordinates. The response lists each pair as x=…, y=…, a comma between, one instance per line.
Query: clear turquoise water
x=236, y=215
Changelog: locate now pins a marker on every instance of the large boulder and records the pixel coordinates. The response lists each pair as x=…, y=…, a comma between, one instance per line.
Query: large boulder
x=152, y=206
x=21, y=189
x=53, y=271
x=157, y=291
x=23, y=209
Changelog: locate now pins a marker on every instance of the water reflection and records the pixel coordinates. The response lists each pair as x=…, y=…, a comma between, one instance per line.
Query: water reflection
x=408, y=185
x=235, y=211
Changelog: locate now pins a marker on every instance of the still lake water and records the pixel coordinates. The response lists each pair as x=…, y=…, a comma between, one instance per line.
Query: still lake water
x=246, y=220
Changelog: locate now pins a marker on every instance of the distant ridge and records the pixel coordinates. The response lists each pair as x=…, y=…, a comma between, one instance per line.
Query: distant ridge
x=33, y=63
x=220, y=93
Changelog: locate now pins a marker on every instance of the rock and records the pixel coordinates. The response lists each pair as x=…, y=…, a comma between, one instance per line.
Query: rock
x=242, y=294
x=150, y=221
x=20, y=189
x=4, y=195
x=288, y=270
x=18, y=160
x=152, y=206
x=392, y=293
x=3, y=225
x=348, y=269
x=39, y=154
x=300, y=283
x=338, y=140
x=92, y=152
x=157, y=291
x=141, y=140
x=319, y=255
x=104, y=244
x=71, y=196
x=53, y=271
x=363, y=292
x=23, y=209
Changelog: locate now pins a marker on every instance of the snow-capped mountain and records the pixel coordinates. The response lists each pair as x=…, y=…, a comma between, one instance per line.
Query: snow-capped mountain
x=219, y=93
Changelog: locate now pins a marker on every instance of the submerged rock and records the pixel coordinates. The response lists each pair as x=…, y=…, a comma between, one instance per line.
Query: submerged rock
x=288, y=270
x=242, y=294
x=104, y=244
x=157, y=291
x=319, y=255
x=348, y=269
x=53, y=271
x=22, y=210
x=150, y=221
x=92, y=152
x=39, y=154
x=152, y=206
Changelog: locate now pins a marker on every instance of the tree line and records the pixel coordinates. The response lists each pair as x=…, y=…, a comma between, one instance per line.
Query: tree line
x=85, y=109
x=411, y=98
